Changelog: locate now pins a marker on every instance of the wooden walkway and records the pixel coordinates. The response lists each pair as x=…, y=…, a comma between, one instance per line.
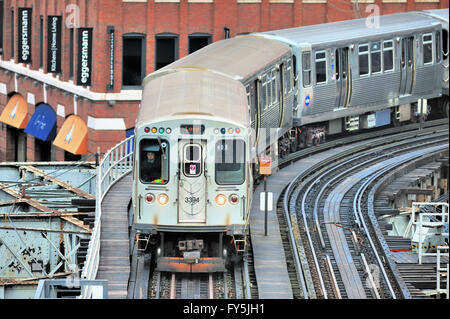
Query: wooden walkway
x=114, y=263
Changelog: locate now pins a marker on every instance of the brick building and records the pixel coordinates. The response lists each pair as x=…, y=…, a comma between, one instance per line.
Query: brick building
x=70, y=70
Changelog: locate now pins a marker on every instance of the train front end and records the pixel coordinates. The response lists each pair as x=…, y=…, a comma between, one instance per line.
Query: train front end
x=192, y=187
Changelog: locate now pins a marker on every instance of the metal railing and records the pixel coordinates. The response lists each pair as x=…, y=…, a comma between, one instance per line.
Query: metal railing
x=116, y=163
x=44, y=289
x=424, y=227
x=442, y=271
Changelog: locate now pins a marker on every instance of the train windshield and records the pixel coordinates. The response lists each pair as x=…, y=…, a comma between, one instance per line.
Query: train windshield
x=154, y=161
x=230, y=162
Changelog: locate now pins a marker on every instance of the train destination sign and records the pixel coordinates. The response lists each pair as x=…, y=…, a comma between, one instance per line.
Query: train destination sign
x=192, y=129
x=265, y=166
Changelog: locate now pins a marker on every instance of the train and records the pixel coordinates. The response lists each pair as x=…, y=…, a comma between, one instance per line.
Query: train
x=207, y=119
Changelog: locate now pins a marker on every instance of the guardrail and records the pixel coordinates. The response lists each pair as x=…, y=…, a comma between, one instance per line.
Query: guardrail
x=116, y=163
x=44, y=289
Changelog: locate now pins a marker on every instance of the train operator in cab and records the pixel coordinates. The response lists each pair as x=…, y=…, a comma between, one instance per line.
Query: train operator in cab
x=151, y=168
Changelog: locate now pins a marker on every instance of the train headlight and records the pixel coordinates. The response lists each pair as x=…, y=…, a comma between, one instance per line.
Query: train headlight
x=234, y=199
x=163, y=199
x=221, y=200
x=150, y=198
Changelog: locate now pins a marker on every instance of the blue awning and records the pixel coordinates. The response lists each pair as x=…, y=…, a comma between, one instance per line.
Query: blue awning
x=43, y=123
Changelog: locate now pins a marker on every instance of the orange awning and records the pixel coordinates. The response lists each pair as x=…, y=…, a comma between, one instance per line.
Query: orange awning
x=73, y=136
x=15, y=112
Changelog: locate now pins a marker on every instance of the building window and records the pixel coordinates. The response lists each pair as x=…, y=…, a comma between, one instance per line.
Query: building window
x=71, y=50
x=12, y=34
x=166, y=49
x=41, y=41
x=306, y=61
x=133, y=71
x=321, y=67
x=198, y=41
x=388, y=55
x=427, y=46
x=1, y=26
x=375, y=57
x=363, y=59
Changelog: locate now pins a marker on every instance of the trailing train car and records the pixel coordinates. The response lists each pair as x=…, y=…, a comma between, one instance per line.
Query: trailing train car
x=205, y=120
x=353, y=75
x=442, y=16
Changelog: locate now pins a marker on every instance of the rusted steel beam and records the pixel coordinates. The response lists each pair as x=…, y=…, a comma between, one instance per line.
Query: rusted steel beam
x=31, y=281
x=12, y=202
x=42, y=214
x=39, y=206
x=29, y=201
x=87, y=232
x=54, y=180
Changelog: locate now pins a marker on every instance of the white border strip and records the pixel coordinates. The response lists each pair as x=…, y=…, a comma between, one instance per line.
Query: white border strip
x=103, y=124
x=126, y=95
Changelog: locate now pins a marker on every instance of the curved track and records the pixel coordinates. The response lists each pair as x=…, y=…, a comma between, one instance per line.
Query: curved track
x=340, y=256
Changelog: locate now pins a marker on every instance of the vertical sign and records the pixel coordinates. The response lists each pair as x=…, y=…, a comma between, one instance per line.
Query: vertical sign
x=54, y=33
x=265, y=166
x=84, y=72
x=111, y=34
x=24, y=31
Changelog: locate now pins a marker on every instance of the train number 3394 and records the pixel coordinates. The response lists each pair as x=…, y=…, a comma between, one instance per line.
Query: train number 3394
x=191, y=200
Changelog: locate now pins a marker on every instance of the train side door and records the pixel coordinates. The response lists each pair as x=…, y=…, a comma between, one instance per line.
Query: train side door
x=343, y=77
x=192, y=181
x=407, y=66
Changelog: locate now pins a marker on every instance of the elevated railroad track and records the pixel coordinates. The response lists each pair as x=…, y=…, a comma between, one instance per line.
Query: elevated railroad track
x=334, y=236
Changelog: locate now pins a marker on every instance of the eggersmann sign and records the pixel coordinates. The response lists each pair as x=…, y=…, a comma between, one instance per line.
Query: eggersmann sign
x=24, y=36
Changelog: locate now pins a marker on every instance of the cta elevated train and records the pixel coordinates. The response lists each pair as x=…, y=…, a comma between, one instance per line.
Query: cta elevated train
x=206, y=119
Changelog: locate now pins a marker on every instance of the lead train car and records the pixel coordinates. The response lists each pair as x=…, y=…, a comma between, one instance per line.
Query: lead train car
x=206, y=119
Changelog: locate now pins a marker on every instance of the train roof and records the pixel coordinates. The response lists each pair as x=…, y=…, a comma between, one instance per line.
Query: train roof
x=180, y=93
x=335, y=32
x=238, y=57
x=441, y=14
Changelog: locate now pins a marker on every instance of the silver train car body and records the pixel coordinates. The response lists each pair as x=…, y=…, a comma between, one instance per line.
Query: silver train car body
x=266, y=94
x=351, y=72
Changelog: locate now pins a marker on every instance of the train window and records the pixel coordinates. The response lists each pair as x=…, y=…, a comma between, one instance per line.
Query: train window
x=445, y=44
x=230, y=162
x=249, y=100
x=266, y=91
x=388, y=55
x=427, y=43
x=306, y=62
x=263, y=92
x=438, y=47
x=363, y=59
x=291, y=74
x=375, y=57
x=274, y=87
x=154, y=161
x=336, y=54
x=288, y=75
x=192, y=160
x=321, y=67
